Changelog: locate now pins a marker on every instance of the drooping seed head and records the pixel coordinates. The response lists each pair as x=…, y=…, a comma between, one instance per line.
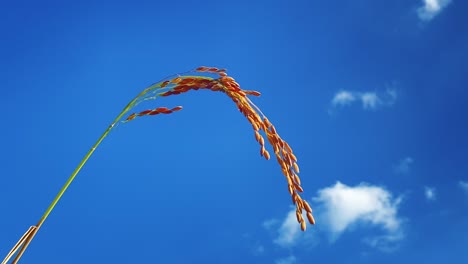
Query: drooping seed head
x=223, y=83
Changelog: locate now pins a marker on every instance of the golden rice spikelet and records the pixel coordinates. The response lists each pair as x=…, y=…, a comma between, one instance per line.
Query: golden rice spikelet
x=299, y=217
x=270, y=138
x=266, y=122
x=298, y=187
x=296, y=167
x=288, y=148
x=294, y=197
x=255, y=126
x=287, y=159
x=293, y=157
x=176, y=80
x=299, y=200
x=226, y=84
x=250, y=119
x=262, y=150
x=257, y=136
x=261, y=141
x=276, y=149
x=289, y=182
x=131, y=117
x=283, y=152
x=280, y=161
x=202, y=69
x=273, y=129
x=254, y=93
x=297, y=179
x=307, y=207
x=311, y=218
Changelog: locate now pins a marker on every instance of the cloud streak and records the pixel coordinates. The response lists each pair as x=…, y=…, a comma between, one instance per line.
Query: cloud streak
x=431, y=8
x=343, y=98
x=368, y=100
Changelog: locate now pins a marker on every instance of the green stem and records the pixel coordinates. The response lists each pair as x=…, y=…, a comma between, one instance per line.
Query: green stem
x=27, y=238
x=31, y=235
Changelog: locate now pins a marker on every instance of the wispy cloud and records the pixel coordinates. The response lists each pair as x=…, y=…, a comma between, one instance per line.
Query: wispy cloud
x=463, y=185
x=269, y=224
x=343, y=98
x=430, y=193
x=288, y=232
x=288, y=260
x=387, y=243
x=404, y=165
x=431, y=8
x=368, y=100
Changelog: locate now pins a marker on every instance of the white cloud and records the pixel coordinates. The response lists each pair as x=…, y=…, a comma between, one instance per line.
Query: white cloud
x=430, y=193
x=343, y=98
x=369, y=100
x=403, y=166
x=346, y=206
x=289, y=231
x=431, y=8
x=341, y=208
x=288, y=260
x=464, y=186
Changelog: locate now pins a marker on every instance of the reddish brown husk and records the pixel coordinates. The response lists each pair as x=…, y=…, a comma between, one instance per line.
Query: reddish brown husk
x=226, y=84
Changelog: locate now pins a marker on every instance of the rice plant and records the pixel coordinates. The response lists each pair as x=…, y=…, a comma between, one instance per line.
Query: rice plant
x=201, y=78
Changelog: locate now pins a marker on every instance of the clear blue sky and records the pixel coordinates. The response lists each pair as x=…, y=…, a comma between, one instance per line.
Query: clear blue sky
x=371, y=95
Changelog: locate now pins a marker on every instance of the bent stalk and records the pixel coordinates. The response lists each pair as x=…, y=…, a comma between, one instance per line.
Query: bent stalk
x=26, y=239
x=183, y=83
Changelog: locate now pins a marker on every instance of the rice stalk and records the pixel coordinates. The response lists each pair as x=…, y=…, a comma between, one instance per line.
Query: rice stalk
x=201, y=78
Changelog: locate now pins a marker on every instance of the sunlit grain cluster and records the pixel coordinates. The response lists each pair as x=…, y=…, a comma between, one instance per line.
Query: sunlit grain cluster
x=202, y=78
x=221, y=82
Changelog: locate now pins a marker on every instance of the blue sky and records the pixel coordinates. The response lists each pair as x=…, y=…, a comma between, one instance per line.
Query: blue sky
x=371, y=95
